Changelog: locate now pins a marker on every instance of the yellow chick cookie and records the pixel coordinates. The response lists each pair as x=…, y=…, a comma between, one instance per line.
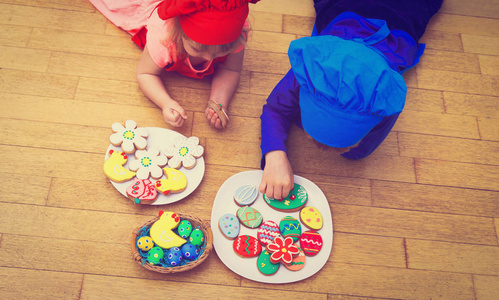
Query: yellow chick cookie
x=175, y=182
x=113, y=167
x=162, y=231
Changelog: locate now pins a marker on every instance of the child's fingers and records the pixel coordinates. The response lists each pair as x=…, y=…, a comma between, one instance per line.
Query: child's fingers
x=177, y=108
x=263, y=186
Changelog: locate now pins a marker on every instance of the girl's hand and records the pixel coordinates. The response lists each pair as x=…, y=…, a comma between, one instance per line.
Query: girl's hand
x=277, y=179
x=174, y=114
x=213, y=118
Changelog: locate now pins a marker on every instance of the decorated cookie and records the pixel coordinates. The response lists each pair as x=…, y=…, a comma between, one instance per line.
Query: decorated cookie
x=264, y=265
x=282, y=250
x=184, y=229
x=267, y=232
x=141, y=191
x=229, y=226
x=249, y=217
x=145, y=243
x=175, y=182
x=162, y=231
x=311, y=242
x=155, y=255
x=245, y=195
x=174, y=256
x=148, y=162
x=298, y=262
x=311, y=217
x=184, y=152
x=113, y=167
x=247, y=246
x=290, y=227
x=190, y=252
x=197, y=237
x=295, y=200
x=129, y=137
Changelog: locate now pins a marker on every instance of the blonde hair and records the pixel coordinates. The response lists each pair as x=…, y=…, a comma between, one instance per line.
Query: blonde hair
x=177, y=35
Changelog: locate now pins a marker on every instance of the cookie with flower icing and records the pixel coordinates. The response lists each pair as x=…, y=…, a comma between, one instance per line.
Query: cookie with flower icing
x=129, y=137
x=113, y=167
x=184, y=152
x=282, y=250
x=148, y=162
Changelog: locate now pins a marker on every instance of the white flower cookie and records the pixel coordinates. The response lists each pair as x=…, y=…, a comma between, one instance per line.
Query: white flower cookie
x=148, y=162
x=129, y=137
x=184, y=152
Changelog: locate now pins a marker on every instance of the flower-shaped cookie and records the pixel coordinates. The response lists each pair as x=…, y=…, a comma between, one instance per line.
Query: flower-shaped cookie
x=184, y=152
x=129, y=137
x=148, y=161
x=282, y=250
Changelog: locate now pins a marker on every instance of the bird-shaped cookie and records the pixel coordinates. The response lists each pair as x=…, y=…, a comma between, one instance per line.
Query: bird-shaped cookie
x=175, y=182
x=113, y=167
x=162, y=231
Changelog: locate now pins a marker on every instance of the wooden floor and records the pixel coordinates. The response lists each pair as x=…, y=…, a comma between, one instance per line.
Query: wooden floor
x=418, y=219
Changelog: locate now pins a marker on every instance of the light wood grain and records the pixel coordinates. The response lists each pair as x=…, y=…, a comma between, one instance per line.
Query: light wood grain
x=486, y=287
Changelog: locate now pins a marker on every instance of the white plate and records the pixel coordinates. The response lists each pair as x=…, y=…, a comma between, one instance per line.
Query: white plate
x=246, y=267
x=162, y=138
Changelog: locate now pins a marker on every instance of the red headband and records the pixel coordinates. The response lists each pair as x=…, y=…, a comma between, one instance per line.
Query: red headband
x=208, y=22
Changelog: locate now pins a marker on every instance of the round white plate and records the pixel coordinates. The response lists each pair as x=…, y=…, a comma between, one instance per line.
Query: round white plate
x=246, y=267
x=162, y=138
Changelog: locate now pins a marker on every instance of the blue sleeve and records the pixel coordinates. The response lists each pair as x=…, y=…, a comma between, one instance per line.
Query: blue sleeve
x=373, y=139
x=279, y=113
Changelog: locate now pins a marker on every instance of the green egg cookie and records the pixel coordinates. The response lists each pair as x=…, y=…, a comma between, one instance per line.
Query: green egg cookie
x=295, y=200
x=290, y=227
x=264, y=265
x=197, y=237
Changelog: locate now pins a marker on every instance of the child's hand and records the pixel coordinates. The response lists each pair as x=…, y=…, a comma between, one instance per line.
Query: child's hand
x=174, y=114
x=277, y=179
x=213, y=118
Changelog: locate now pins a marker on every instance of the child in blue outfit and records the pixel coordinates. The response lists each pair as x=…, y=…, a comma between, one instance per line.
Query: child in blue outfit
x=345, y=87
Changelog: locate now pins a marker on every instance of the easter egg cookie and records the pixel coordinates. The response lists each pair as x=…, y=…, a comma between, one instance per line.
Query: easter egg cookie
x=113, y=167
x=175, y=182
x=282, y=250
x=197, y=237
x=162, y=231
x=298, y=262
x=290, y=227
x=142, y=191
x=265, y=266
x=311, y=218
x=145, y=243
x=311, y=242
x=249, y=217
x=245, y=195
x=129, y=136
x=155, y=255
x=190, y=252
x=267, y=232
x=184, y=229
x=174, y=256
x=229, y=226
x=148, y=162
x=184, y=152
x=247, y=246
x=295, y=200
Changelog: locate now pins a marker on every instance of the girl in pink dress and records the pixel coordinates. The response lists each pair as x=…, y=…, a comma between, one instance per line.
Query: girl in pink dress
x=189, y=37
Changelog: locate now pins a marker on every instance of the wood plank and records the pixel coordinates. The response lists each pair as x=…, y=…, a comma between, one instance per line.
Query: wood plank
x=449, y=61
x=104, y=257
x=19, y=283
x=481, y=8
x=14, y=36
x=382, y=282
x=270, y=41
x=458, y=82
x=480, y=44
x=411, y=78
x=233, y=153
x=418, y=197
x=265, y=21
x=260, y=61
x=424, y=100
x=486, y=287
x=489, y=65
x=442, y=40
x=298, y=25
x=436, y=147
x=464, y=24
x=26, y=189
x=413, y=224
x=77, y=5
x=457, y=174
x=471, y=105
x=243, y=129
x=263, y=83
x=111, y=91
x=489, y=128
x=37, y=84
x=24, y=59
x=453, y=257
x=288, y=7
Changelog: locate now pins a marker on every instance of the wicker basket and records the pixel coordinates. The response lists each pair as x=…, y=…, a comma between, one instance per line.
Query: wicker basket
x=207, y=245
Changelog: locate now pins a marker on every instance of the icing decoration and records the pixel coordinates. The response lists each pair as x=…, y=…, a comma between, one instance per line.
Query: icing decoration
x=174, y=256
x=290, y=227
x=145, y=243
x=229, y=226
x=113, y=167
x=155, y=255
x=129, y=137
x=162, y=231
x=245, y=195
x=142, y=190
x=190, y=252
x=265, y=266
x=247, y=246
x=311, y=242
x=175, y=182
x=267, y=232
x=282, y=250
x=148, y=162
x=184, y=229
x=311, y=218
x=184, y=152
x=197, y=237
x=293, y=201
x=298, y=262
x=249, y=216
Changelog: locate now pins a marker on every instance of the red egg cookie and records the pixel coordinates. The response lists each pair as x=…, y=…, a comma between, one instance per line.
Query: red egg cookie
x=311, y=242
x=247, y=246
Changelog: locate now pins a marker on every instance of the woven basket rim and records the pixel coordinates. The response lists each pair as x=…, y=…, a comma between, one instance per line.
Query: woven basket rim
x=205, y=228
